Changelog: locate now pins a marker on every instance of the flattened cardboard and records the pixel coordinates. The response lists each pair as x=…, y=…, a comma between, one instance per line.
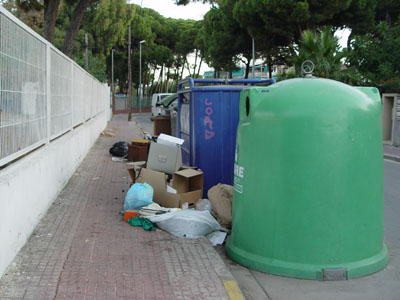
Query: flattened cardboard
x=163, y=158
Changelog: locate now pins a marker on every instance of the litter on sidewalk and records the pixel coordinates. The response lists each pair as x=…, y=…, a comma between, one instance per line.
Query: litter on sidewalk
x=186, y=186
x=130, y=213
x=142, y=222
x=186, y=223
x=138, y=195
x=165, y=155
x=169, y=195
x=221, y=197
x=119, y=149
x=216, y=237
x=138, y=150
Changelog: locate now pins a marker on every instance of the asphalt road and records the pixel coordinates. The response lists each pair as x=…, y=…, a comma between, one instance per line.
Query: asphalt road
x=144, y=122
x=383, y=285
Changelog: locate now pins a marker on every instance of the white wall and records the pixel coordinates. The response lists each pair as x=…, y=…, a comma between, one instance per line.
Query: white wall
x=30, y=185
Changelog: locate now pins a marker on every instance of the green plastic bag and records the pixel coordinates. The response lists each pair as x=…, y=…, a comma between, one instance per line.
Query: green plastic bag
x=142, y=222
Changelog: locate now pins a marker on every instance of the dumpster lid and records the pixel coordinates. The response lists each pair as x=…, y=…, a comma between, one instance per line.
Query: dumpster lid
x=190, y=83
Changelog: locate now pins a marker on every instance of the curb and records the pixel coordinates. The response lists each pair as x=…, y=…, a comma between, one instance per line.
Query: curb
x=229, y=282
x=391, y=157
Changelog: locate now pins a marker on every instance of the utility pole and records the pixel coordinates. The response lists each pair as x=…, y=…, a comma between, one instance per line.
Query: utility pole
x=129, y=75
x=254, y=57
x=112, y=79
x=86, y=52
x=140, y=75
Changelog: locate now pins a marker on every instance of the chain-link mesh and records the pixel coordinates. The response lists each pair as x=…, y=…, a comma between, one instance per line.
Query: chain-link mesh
x=23, y=89
x=75, y=96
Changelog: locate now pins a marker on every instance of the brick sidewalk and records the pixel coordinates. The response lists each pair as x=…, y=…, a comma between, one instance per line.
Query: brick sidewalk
x=82, y=249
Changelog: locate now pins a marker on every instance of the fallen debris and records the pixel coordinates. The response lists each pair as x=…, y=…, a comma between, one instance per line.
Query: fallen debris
x=138, y=195
x=119, y=149
x=221, y=197
x=107, y=134
x=217, y=237
x=142, y=222
x=119, y=159
x=186, y=223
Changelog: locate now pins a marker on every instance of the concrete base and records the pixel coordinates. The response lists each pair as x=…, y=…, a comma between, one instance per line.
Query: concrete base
x=30, y=185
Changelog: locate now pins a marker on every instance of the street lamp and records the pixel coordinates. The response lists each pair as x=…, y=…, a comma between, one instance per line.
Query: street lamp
x=140, y=75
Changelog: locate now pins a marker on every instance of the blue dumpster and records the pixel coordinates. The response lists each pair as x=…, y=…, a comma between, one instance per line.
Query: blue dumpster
x=208, y=116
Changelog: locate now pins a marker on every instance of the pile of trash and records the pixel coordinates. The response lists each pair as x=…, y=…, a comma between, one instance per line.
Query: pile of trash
x=167, y=195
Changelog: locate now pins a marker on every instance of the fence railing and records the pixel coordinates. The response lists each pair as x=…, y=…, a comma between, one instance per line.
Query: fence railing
x=122, y=103
x=43, y=93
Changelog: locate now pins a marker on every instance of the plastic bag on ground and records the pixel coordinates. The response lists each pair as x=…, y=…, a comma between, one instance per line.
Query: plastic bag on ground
x=221, y=197
x=187, y=223
x=217, y=237
x=119, y=149
x=138, y=195
x=204, y=204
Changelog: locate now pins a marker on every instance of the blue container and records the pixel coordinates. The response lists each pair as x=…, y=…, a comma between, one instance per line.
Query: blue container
x=208, y=116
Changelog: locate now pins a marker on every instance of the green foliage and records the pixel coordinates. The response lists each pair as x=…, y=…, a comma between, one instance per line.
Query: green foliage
x=96, y=67
x=377, y=57
x=323, y=49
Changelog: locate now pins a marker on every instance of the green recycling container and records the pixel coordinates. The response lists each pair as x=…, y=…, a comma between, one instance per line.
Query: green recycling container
x=308, y=179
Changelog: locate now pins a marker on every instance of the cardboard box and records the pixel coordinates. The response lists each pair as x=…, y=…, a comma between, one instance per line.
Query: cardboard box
x=187, y=183
x=164, y=158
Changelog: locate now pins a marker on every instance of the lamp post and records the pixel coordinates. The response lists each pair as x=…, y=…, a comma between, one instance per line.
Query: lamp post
x=140, y=75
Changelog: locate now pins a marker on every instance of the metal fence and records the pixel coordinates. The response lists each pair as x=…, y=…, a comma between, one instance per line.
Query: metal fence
x=121, y=104
x=43, y=93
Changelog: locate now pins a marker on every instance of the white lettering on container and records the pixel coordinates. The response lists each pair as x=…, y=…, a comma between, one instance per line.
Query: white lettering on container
x=239, y=171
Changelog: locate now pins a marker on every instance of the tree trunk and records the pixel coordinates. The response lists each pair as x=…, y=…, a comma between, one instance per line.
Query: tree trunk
x=195, y=64
x=188, y=67
x=167, y=81
x=74, y=25
x=246, y=75
x=159, y=88
x=198, y=71
x=269, y=65
x=152, y=81
x=183, y=68
x=50, y=13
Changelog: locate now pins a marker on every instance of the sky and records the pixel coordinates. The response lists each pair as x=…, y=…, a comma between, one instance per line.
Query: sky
x=169, y=9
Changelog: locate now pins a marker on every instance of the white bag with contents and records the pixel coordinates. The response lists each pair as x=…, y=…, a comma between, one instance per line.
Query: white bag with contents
x=186, y=223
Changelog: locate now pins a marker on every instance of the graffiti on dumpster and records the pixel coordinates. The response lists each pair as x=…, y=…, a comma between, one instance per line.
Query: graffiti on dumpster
x=208, y=123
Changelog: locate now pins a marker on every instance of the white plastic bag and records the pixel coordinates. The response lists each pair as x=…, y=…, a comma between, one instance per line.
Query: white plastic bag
x=204, y=204
x=187, y=223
